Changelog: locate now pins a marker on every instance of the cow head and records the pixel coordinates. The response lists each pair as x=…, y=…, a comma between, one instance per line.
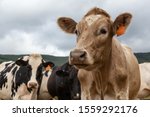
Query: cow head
x=94, y=36
x=31, y=69
x=67, y=75
x=64, y=70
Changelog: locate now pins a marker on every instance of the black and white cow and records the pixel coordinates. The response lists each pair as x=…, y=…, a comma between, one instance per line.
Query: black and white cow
x=22, y=79
x=63, y=83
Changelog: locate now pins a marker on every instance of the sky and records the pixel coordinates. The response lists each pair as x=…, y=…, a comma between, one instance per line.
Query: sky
x=30, y=26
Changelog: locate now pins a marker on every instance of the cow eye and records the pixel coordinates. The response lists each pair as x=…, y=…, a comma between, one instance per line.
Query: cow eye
x=102, y=31
x=77, y=32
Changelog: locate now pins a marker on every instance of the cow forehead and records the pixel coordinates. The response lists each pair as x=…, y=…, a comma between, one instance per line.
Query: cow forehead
x=35, y=60
x=92, y=18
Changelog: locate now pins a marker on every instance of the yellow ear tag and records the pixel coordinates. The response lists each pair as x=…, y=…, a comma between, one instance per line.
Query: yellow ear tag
x=48, y=68
x=121, y=30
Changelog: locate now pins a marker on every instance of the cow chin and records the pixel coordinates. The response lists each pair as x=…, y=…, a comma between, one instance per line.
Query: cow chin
x=80, y=66
x=85, y=65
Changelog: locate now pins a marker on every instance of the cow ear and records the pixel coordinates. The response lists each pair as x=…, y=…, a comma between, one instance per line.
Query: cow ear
x=61, y=73
x=48, y=65
x=67, y=24
x=21, y=62
x=121, y=23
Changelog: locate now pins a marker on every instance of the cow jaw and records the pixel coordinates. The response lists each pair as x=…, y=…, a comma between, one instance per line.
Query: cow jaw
x=87, y=66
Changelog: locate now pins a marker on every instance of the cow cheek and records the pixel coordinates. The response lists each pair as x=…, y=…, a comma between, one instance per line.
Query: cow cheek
x=94, y=55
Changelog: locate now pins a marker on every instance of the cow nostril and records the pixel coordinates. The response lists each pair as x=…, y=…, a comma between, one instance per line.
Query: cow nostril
x=83, y=54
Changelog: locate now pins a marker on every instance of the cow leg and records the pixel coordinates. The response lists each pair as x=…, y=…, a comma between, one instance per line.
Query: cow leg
x=85, y=89
x=94, y=92
x=89, y=92
x=122, y=95
x=85, y=94
x=86, y=81
x=121, y=88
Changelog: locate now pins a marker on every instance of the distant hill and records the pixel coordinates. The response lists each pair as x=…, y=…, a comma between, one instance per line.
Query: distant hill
x=55, y=59
x=142, y=57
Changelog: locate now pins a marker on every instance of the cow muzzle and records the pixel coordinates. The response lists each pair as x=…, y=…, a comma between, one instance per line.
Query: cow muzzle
x=77, y=57
x=32, y=85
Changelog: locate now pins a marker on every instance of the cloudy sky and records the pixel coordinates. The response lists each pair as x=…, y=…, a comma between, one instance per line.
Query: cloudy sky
x=28, y=26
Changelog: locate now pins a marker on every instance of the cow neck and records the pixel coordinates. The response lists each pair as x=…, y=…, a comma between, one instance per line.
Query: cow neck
x=99, y=85
x=101, y=78
x=101, y=75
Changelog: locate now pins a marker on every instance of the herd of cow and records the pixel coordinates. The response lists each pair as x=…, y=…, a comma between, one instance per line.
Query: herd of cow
x=30, y=77
x=99, y=67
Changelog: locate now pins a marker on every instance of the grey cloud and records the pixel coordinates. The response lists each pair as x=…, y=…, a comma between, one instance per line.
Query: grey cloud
x=28, y=26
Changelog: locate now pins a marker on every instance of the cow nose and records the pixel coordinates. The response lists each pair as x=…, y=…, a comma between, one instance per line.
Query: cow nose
x=32, y=85
x=77, y=55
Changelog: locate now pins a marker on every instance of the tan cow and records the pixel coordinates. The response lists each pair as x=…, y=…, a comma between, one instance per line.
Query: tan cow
x=107, y=69
x=145, y=80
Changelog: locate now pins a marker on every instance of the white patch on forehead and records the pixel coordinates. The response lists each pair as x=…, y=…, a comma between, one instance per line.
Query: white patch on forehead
x=35, y=59
x=91, y=19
